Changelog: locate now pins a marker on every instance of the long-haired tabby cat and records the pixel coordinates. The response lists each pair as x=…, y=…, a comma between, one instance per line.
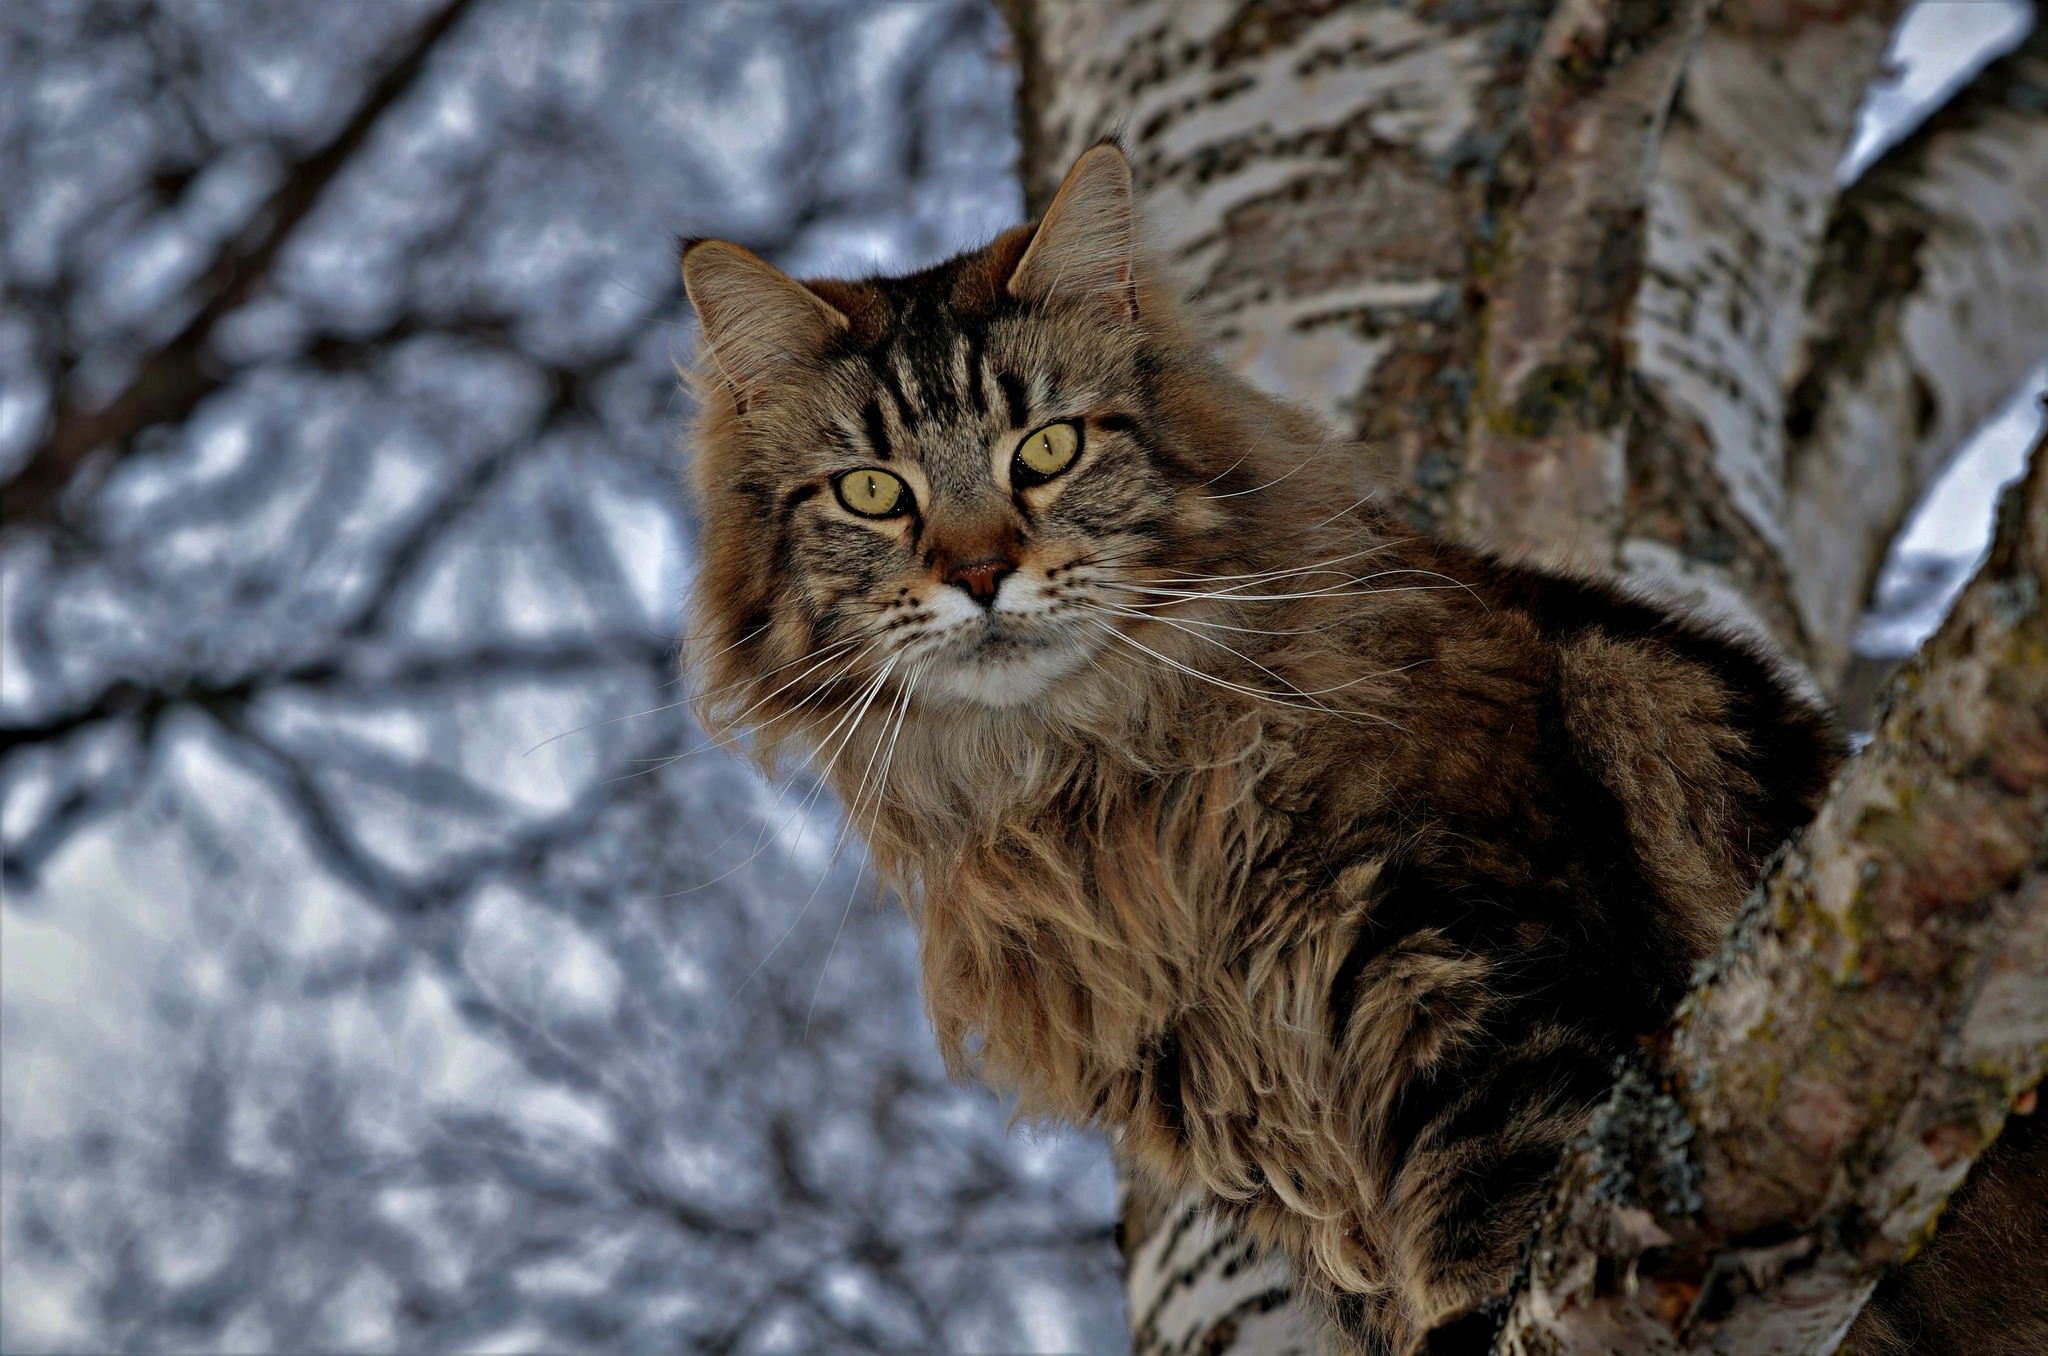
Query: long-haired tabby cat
x=1328, y=864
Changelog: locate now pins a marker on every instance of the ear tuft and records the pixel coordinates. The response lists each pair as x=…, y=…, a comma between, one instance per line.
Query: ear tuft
x=759, y=322
x=1082, y=251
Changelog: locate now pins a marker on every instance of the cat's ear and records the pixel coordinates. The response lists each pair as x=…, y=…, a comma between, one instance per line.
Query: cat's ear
x=758, y=321
x=1081, y=252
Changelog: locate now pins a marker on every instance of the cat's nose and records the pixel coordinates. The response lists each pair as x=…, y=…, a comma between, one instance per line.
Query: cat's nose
x=981, y=578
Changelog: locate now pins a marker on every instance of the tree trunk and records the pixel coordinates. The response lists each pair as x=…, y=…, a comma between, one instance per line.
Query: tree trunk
x=1580, y=278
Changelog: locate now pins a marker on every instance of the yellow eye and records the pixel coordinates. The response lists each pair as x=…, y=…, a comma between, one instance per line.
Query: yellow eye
x=873, y=494
x=1045, y=454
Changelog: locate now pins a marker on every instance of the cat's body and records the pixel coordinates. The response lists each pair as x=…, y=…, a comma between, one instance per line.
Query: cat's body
x=1329, y=864
x=1360, y=975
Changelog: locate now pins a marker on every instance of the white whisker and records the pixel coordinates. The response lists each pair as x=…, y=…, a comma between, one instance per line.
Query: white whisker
x=1182, y=623
x=1338, y=589
x=874, y=818
x=608, y=720
x=1133, y=611
x=769, y=830
x=1277, y=699
x=1228, y=469
x=829, y=655
x=859, y=714
x=1279, y=572
x=657, y=710
x=1267, y=486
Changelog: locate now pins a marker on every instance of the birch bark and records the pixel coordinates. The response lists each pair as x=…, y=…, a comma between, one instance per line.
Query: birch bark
x=1927, y=308
x=1738, y=203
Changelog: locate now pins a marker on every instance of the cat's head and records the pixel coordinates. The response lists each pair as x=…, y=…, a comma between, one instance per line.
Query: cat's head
x=963, y=481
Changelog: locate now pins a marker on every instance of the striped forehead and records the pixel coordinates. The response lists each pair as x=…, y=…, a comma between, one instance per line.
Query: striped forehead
x=935, y=396
x=929, y=362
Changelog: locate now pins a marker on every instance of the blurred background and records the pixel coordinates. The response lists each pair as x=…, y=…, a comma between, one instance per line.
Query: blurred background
x=384, y=964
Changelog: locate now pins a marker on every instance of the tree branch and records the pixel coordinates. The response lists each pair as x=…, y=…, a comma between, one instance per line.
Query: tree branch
x=1880, y=1007
x=171, y=381
x=1555, y=316
x=1929, y=306
x=1328, y=239
x=1738, y=204
x=1544, y=466
x=1198, y=1284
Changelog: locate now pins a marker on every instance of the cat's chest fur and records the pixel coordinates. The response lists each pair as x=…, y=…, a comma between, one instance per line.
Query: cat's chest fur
x=1178, y=955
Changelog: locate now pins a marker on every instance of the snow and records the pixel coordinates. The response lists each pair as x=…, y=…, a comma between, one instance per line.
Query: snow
x=1945, y=538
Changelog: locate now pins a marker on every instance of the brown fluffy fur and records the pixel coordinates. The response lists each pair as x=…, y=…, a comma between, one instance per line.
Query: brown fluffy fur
x=1334, y=894
x=1981, y=1287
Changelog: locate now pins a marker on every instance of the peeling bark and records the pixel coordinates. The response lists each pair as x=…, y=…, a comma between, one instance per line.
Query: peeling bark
x=1879, y=1010
x=1738, y=204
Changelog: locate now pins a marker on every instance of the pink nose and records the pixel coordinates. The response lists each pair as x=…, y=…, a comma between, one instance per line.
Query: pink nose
x=981, y=579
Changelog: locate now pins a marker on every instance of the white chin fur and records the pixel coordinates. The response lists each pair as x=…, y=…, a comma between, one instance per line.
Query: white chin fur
x=1010, y=678
x=998, y=676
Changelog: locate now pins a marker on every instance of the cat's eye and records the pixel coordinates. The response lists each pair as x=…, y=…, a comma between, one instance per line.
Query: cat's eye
x=1045, y=454
x=872, y=493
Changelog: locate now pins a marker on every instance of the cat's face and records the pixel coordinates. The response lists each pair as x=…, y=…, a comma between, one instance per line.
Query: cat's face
x=960, y=500
x=954, y=480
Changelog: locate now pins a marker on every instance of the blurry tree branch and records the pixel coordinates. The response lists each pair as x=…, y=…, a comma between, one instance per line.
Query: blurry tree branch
x=341, y=850
x=341, y=665
x=342, y=749
x=171, y=381
x=345, y=674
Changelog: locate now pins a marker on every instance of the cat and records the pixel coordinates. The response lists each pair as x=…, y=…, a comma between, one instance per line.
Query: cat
x=1328, y=864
